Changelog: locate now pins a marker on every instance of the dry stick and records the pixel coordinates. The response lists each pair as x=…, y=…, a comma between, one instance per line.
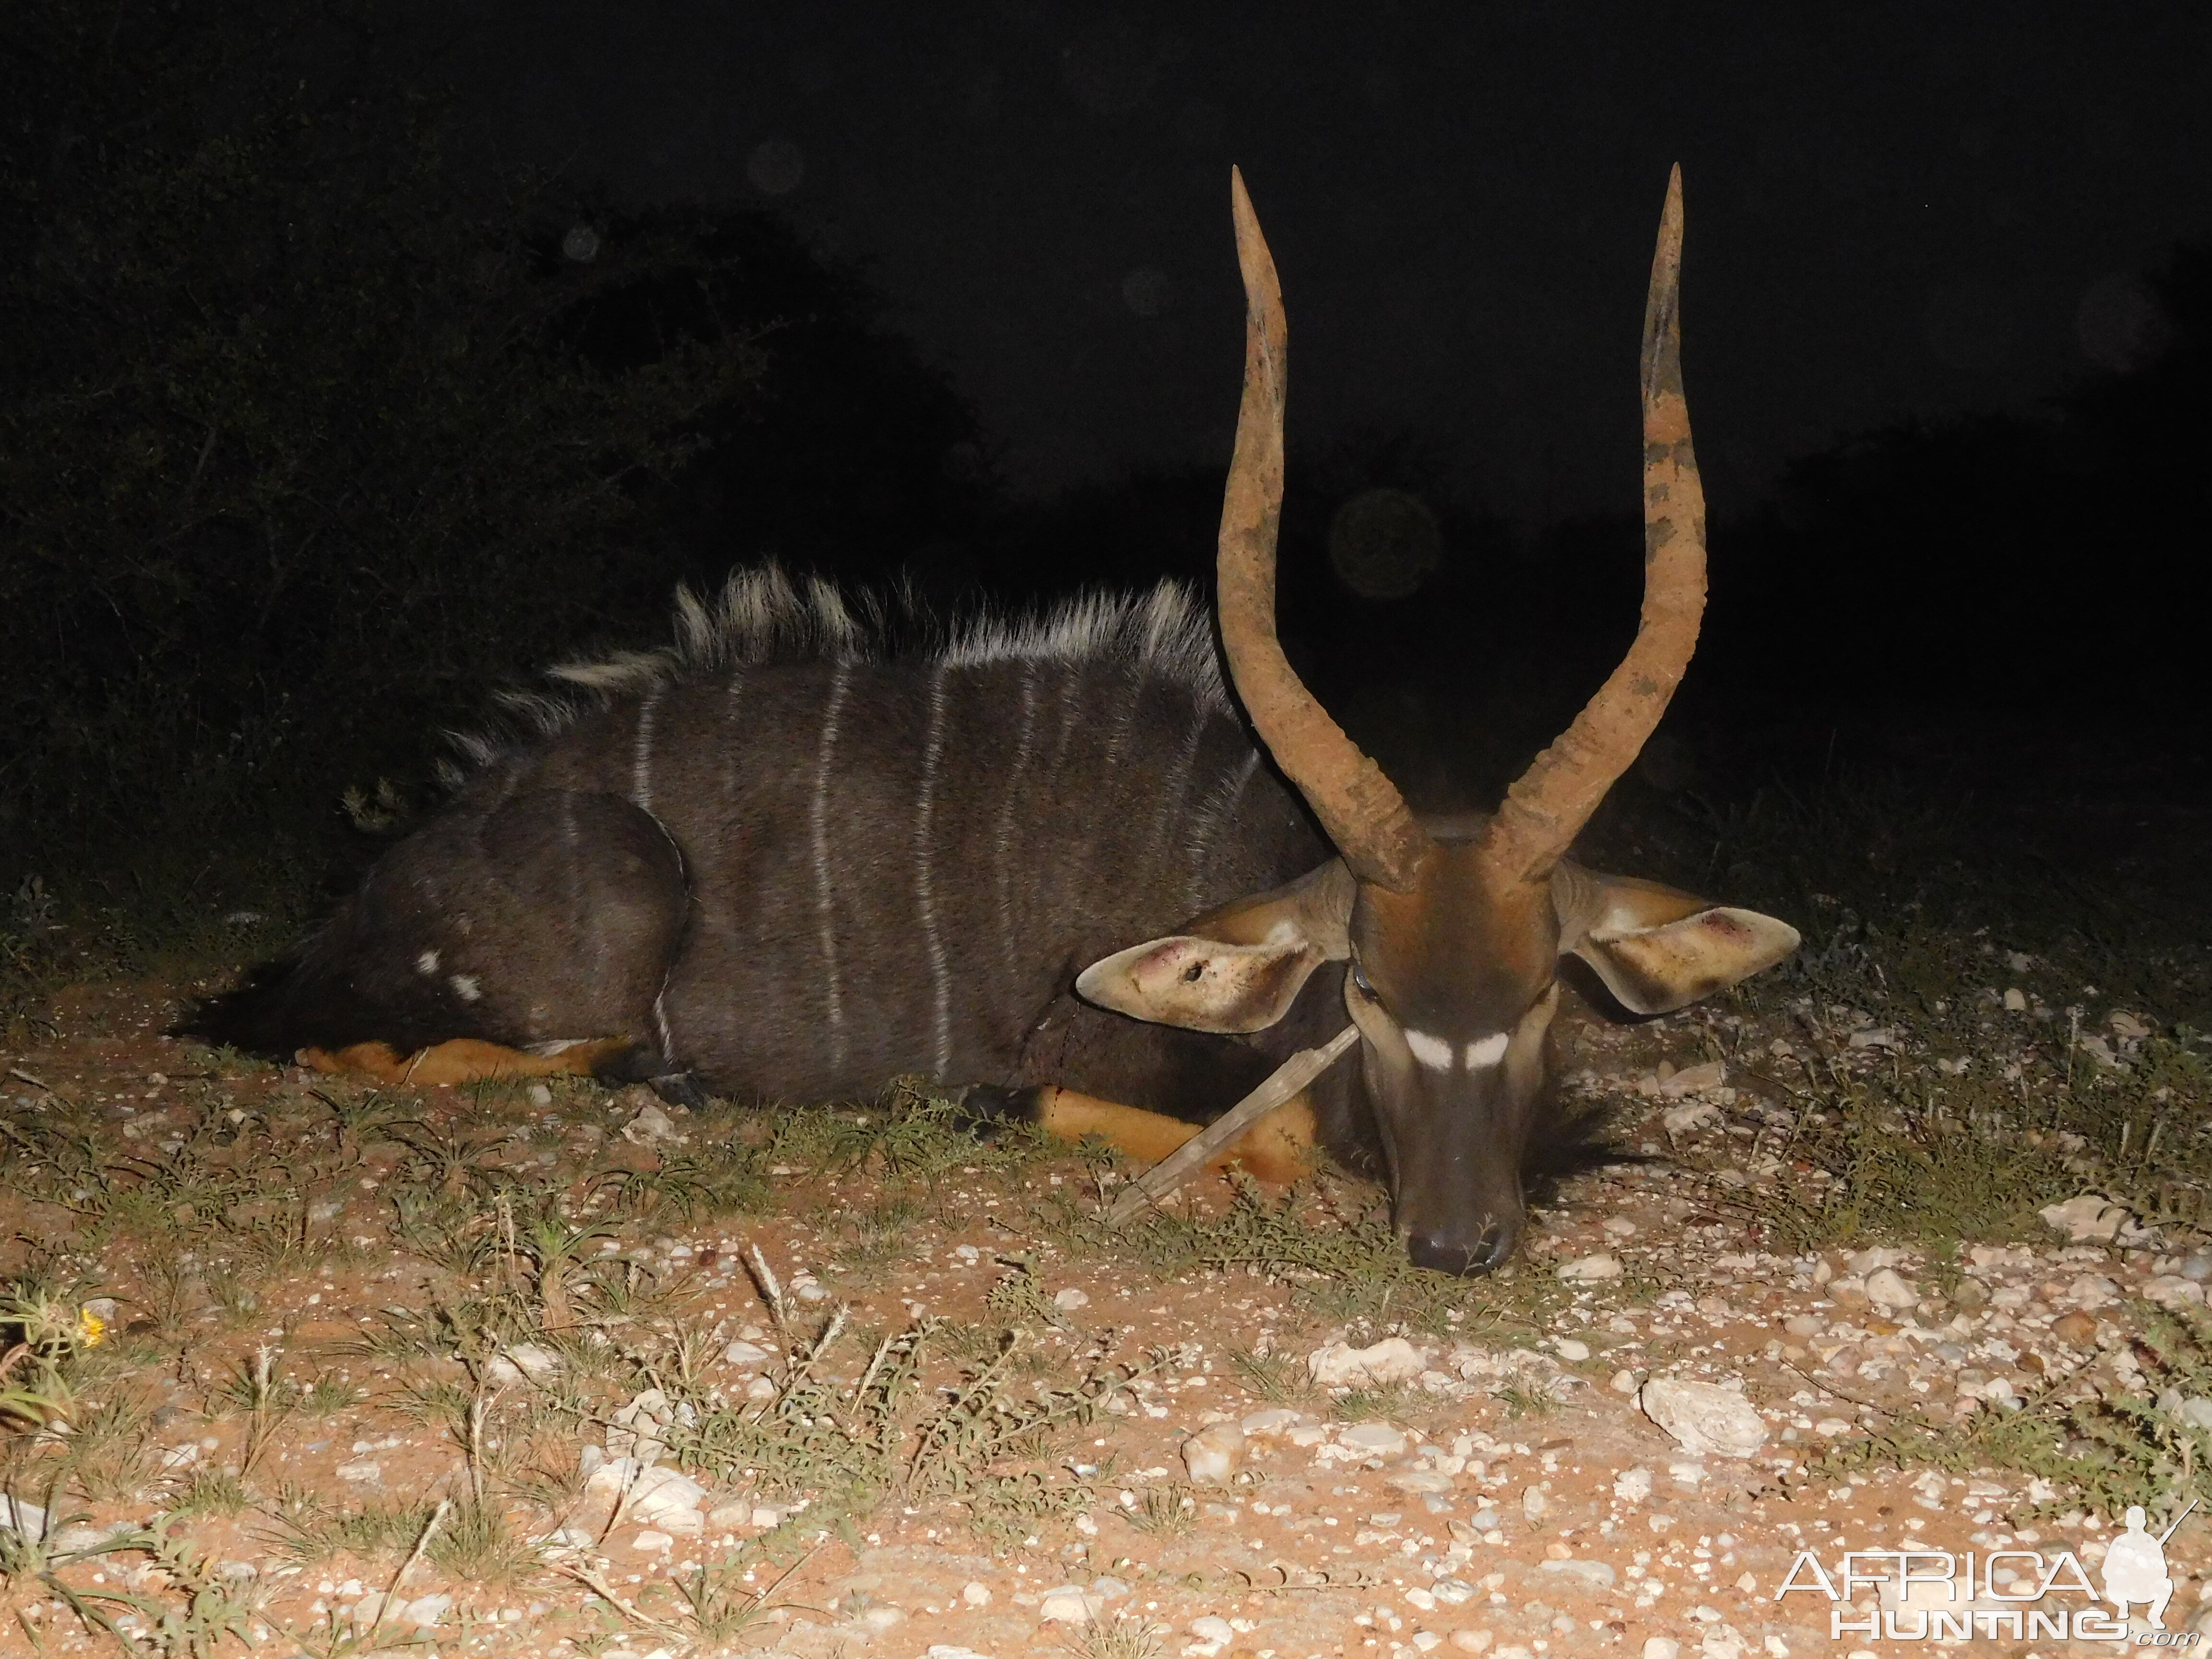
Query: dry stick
x=1293, y=1075
x=422, y=1543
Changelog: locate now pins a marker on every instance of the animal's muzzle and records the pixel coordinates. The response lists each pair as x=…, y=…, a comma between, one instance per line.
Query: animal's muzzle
x=1454, y=1251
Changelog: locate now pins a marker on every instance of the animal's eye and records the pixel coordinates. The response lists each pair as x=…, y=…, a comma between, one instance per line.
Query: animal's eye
x=1360, y=979
x=1196, y=972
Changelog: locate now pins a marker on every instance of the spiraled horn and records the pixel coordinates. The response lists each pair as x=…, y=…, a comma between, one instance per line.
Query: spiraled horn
x=1363, y=812
x=1548, y=804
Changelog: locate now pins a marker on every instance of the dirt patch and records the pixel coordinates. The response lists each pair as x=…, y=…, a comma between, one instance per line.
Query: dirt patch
x=545, y=1369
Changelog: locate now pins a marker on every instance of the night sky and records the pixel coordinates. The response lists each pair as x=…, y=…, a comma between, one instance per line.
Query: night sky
x=1894, y=209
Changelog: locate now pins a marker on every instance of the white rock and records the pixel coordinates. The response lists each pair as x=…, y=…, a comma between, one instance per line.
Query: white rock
x=2094, y=1219
x=2015, y=1000
x=1071, y=1298
x=1589, y=1269
x=1339, y=1364
x=652, y=1542
x=1212, y=1628
x=20, y=1515
x=1273, y=1420
x=653, y=1127
x=1534, y=1504
x=1686, y=1120
x=1452, y=1592
x=1704, y=1417
x=1694, y=1080
x=975, y=1593
x=748, y=1356
x=1420, y=1600
x=1211, y=1455
x=1632, y=1486
x=1470, y=1641
x=1624, y=1381
x=2093, y=1291
x=361, y=1472
x=1569, y=1349
x=1070, y=1604
x=521, y=1362
x=1374, y=1439
x=881, y=1619
x=1661, y=1647
x=1888, y=1289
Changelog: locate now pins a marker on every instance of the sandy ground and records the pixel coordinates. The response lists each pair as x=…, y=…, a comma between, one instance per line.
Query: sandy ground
x=1492, y=1484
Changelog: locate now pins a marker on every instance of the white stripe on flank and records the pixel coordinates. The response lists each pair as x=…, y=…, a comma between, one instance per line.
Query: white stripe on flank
x=641, y=774
x=818, y=818
x=1221, y=809
x=1488, y=1052
x=939, y=984
x=1433, y=1052
x=1003, y=835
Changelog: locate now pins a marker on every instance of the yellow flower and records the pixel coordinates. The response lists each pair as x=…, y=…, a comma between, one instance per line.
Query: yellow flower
x=91, y=1327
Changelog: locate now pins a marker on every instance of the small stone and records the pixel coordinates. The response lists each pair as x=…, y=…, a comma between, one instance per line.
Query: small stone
x=1624, y=1381
x=1071, y=1298
x=1533, y=1504
x=652, y=1542
x=1452, y=1592
x=21, y=1516
x=1212, y=1455
x=1338, y=1364
x=882, y=1618
x=1273, y=1420
x=1470, y=1641
x=2092, y=1219
x=1569, y=1350
x=523, y=1361
x=739, y=1514
x=1704, y=1417
x=1888, y=1289
x=1420, y=1600
x=361, y=1472
x=759, y=1389
x=1632, y=1486
x=1694, y=1080
x=653, y=1127
x=747, y=1356
x=1590, y=1268
x=2015, y=1001
x=2075, y=1329
x=975, y=1593
x=1661, y=1647
x=1070, y=1604
x=2093, y=1291
x=1375, y=1439
x=540, y=1096
x=425, y=1611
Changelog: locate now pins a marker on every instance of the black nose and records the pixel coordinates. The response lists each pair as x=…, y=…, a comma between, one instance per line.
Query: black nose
x=1464, y=1254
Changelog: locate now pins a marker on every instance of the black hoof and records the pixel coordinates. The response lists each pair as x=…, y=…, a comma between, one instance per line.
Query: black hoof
x=678, y=1089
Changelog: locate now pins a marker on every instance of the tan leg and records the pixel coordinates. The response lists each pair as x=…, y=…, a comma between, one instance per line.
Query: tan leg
x=1278, y=1149
x=463, y=1060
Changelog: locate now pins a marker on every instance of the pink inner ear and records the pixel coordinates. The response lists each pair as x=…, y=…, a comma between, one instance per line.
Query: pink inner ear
x=1726, y=926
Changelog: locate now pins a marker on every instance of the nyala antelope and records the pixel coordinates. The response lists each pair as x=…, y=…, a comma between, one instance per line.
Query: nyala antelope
x=776, y=861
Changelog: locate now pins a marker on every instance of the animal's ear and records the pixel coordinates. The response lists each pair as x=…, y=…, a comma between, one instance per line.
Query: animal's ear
x=1238, y=968
x=1657, y=948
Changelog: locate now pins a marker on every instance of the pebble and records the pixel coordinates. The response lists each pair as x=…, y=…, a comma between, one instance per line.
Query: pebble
x=1470, y=1641
x=1569, y=1350
x=1071, y=1298
x=1888, y=1289
x=652, y=1541
x=1212, y=1455
x=975, y=1593
x=362, y=1472
x=2075, y=1329
x=1070, y=1604
x=1704, y=1417
x=1338, y=1364
x=1661, y=1647
x=881, y=1619
x=1587, y=1269
x=1376, y=1439
x=1452, y=1592
x=747, y=1356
